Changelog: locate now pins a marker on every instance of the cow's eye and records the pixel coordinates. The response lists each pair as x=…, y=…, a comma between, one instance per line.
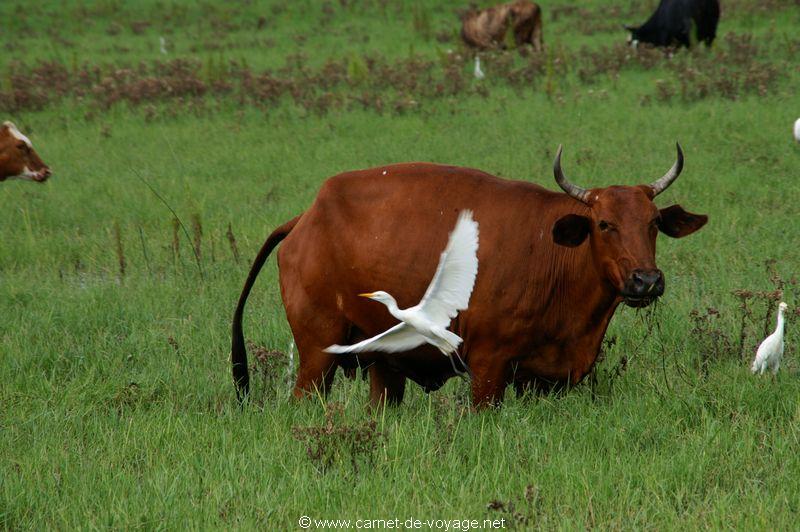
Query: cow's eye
x=22, y=146
x=604, y=225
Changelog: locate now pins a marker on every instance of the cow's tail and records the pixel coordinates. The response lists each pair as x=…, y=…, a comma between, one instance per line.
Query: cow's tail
x=241, y=376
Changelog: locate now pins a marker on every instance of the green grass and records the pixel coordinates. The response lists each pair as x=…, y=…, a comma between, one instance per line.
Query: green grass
x=116, y=404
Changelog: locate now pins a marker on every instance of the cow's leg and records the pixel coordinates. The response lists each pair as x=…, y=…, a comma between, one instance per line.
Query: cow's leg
x=536, y=38
x=521, y=388
x=522, y=33
x=315, y=374
x=536, y=386
x=522, y=381
x=314, y=330
x=386, y=386
x=489, y=380
x=524, y=388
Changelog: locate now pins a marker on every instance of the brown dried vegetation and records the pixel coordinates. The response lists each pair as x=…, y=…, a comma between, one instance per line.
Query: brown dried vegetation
x=519, y=512
x=269, y=363
x=337, y=441
x=735, y=67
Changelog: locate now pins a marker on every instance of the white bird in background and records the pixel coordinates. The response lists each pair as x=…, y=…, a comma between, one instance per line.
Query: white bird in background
x=770, y=351
x=797, y=130
x=163, y=44
x=478, y=71
x=448, y=292
x=290, y=370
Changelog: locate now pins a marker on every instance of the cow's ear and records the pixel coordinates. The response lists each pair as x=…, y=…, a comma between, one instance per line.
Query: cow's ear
x=677, y=223
x=571, y=230
x=629, y=28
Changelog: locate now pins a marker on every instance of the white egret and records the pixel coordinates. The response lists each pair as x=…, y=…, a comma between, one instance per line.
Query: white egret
x=162, y=42
x=797, y=130
x=770, y=351
x=448, y=293
x=290, y=370
x=478, y=70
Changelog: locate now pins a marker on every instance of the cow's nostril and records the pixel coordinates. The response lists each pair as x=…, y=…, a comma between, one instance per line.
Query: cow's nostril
x=645, y=283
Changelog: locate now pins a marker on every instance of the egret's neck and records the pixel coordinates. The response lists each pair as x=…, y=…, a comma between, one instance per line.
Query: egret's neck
x=394, y=310
x=779, y=328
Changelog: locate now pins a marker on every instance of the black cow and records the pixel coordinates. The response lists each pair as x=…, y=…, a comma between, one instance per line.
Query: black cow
x=671, y=24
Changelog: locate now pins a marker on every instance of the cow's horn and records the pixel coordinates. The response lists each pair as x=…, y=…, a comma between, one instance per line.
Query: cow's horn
x=580, y=194
x=673, y=173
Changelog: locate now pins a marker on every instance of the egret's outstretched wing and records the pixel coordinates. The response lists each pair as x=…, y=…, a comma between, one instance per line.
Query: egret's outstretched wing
x=454, y=279
x=401, y=337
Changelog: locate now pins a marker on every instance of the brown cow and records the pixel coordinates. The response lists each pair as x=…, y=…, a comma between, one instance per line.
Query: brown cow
x=18, y=159
x=553, y=268
x=486, y=28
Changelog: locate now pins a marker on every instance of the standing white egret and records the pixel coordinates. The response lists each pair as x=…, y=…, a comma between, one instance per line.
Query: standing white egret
x=448, y=293
x=770, y=351
x=797, y=130
x=290, y=370
x=162, y=42
x=478, y=70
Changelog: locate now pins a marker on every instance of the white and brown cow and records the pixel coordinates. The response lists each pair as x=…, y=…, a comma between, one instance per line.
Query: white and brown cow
x=18, y=159
x=487, y=28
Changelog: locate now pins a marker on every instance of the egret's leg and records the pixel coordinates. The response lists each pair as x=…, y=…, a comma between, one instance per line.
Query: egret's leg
x=466, y=373
x=451, y=354
x=386, y=386
x=451, y=358
x=448, y=342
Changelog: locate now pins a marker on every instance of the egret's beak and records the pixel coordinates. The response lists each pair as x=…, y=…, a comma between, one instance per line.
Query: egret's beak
x=369, y=295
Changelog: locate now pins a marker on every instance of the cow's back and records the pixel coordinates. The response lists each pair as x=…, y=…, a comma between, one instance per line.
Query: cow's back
x=385, y=228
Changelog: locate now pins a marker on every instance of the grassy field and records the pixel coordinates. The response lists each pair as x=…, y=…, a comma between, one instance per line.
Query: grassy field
x=117, y=408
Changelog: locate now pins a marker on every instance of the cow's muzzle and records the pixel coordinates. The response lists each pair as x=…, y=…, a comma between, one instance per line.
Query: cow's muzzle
x=643, y=287
x=42, y=175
